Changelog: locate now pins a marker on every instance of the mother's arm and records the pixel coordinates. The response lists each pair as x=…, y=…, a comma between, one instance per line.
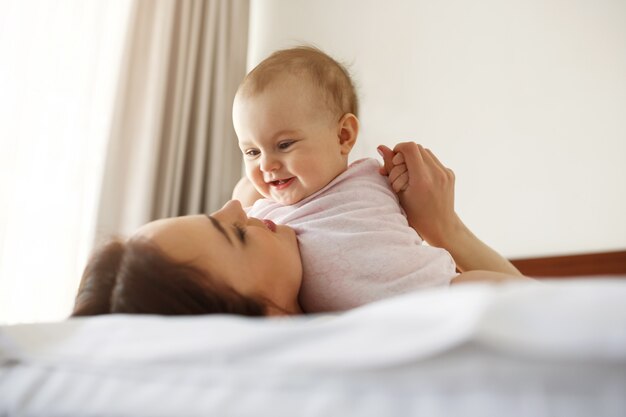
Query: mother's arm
x=425, y=188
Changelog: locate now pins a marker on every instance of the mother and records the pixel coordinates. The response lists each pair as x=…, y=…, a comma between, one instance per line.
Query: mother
x=229, y=263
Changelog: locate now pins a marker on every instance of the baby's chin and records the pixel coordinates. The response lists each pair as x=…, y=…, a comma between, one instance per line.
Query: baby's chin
x=294, y=194
x=287, y=200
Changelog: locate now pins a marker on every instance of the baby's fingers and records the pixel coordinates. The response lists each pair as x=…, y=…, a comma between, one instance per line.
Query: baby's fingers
x=387, y=155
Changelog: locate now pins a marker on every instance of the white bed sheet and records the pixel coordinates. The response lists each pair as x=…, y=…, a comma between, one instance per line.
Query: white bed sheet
x=557, y=348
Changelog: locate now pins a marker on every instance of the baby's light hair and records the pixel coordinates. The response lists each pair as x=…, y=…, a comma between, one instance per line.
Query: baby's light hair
x=327, y=75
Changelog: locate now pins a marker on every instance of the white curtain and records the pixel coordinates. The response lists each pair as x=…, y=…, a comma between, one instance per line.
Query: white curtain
x=59, y=65
x=112, y=113
x=173, y=150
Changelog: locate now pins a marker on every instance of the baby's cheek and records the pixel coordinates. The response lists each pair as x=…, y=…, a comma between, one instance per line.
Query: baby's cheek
x=263, y=189
x=257, y=180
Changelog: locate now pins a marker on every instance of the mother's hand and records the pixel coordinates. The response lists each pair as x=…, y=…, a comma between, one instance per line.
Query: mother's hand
x=425, y=188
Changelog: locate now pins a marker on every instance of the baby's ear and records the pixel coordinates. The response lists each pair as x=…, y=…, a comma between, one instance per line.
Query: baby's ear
x=348, y=130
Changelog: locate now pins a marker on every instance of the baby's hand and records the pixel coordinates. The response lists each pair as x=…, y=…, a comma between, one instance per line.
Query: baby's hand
x=425, y=188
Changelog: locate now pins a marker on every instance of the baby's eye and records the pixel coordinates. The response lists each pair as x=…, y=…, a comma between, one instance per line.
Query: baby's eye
x=285, y=144
x=251, y=152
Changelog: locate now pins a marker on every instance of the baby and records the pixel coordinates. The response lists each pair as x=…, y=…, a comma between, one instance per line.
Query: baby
x=295, y=116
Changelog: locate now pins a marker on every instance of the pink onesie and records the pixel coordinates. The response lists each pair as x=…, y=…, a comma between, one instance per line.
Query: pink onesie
x=356, y=244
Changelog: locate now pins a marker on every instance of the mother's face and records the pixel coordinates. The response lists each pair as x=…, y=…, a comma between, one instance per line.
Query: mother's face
x=254, y=257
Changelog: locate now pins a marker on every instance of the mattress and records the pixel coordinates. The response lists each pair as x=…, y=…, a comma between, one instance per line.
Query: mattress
x=538, y=349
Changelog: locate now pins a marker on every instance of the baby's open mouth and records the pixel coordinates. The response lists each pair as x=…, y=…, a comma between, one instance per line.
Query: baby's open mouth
x=280, y=184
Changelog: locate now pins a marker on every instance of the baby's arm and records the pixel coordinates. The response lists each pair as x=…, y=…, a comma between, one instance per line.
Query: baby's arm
x=425, y=188
x=245, y=192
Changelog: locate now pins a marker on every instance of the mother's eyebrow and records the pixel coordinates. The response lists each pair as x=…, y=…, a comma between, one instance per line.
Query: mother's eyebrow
x=219, y=227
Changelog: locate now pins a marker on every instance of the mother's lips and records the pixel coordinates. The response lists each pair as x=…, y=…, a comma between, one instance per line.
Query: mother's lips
x=270, y=225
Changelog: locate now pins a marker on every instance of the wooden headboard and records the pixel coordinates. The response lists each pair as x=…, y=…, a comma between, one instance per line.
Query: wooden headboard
x=604, y=263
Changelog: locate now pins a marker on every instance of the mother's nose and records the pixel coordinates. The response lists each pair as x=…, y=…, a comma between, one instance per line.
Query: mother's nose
x=234, y=209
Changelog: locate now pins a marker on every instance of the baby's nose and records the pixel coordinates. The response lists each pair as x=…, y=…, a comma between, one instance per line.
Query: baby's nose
x=269, y=163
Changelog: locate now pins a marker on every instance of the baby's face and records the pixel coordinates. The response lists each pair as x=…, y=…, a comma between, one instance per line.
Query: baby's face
x=291, y=144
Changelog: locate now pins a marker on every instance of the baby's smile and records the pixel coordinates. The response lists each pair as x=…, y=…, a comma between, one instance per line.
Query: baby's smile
x=282, y=184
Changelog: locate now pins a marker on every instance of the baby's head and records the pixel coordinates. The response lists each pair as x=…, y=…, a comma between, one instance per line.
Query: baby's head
x=295, y=115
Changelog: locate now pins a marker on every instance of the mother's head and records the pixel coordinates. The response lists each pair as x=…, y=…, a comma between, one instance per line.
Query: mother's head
x=223, y=263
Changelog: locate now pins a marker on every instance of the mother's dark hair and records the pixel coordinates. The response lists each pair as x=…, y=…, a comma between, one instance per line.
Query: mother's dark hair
x=136, y=277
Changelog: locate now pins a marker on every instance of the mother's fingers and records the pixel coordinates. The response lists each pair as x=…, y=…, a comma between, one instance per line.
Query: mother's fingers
x=397, y=171
x=413, y=158
x=398, y=159
x=401, y=182
x=410, y=150
x=420, y=164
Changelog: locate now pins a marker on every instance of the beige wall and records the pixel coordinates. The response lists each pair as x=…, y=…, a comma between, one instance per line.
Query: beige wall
x=525, y=100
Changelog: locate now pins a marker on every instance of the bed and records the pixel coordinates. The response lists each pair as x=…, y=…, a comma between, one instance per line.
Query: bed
x=551, y=348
